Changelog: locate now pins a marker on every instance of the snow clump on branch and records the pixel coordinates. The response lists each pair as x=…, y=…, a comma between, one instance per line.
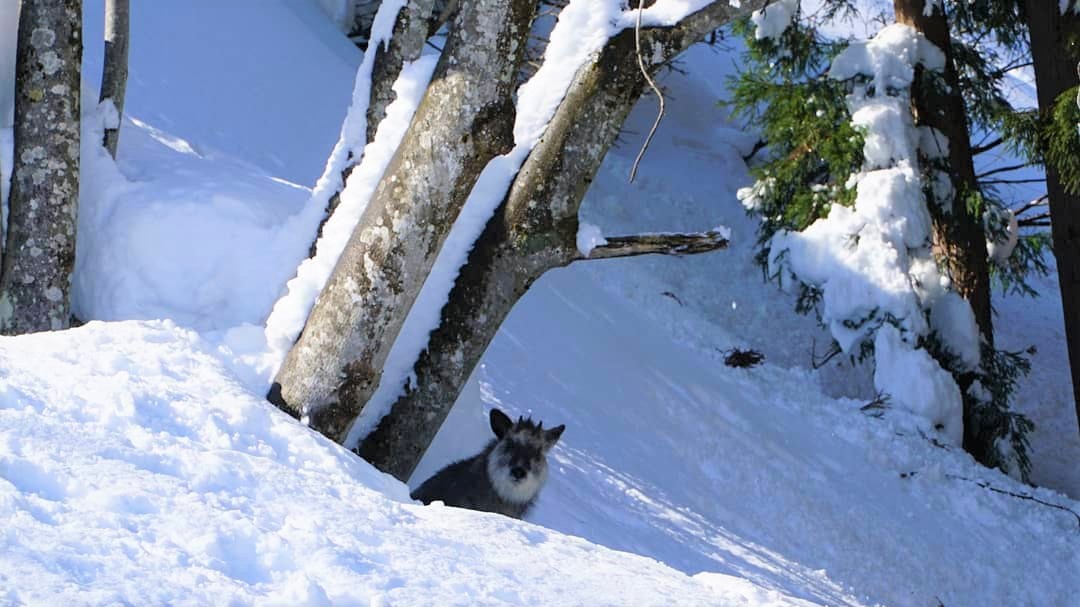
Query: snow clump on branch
x=872, y=262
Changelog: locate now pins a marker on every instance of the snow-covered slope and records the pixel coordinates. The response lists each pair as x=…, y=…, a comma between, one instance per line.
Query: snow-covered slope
x=133, y=470
x=231, y=111
x=139, y=462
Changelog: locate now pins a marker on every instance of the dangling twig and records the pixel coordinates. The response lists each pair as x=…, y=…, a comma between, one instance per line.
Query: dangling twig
x=656, y=89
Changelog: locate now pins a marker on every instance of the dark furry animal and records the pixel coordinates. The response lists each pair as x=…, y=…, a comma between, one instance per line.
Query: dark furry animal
x=505, y=477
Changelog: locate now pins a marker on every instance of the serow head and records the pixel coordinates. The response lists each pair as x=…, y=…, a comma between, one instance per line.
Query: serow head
x=518, y=463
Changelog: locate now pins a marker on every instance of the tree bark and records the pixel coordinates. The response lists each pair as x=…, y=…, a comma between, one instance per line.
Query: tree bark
x=533, y=231
x=35, y=284
x=410, y=34
x=115, y=72
x=1055, y=50
x=465, y=119
x=405, y=44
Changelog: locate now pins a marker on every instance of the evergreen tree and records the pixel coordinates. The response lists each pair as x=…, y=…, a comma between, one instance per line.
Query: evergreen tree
x=816, y=160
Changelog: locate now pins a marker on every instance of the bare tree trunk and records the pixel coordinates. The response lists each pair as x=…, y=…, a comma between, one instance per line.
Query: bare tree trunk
x=535, y=230
x=115, y=71
x=1055, y=50
x=35, y=284
x=465, y=119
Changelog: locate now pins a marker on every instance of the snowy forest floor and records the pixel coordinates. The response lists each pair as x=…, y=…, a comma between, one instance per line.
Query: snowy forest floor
x=139, y=462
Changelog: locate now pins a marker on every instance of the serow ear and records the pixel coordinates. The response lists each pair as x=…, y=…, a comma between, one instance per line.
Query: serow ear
x=552, y=436
x=500, y=423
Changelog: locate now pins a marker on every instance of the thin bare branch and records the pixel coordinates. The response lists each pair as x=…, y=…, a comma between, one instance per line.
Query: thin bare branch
x=979, y=149
x=1004, y=169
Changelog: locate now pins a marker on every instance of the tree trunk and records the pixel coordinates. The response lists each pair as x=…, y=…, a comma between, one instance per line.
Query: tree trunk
x=115, y=72
x=465, y=119
x=1055, y=50
x=35, y=283
x=405, y=44
x=959, y=236
x=535, y=230
x=410, y=34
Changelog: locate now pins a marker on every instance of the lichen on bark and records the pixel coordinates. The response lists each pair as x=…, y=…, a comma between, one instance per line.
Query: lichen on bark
x=40, y=250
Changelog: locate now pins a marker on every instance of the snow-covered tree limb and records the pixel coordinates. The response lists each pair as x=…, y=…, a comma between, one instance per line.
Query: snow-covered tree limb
x=410, y=33
x=405, y=43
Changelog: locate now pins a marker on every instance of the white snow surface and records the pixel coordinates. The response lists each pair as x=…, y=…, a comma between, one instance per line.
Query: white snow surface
x=139, y=462
x=134, y=470
x=934, y=396
x=774, y=19
x=889, y=57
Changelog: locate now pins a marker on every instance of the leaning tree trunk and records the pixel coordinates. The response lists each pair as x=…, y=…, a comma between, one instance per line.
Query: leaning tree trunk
x=959, y=237
x=464, y=120
x=406, y=42
x=115, y=71
x=1055, y=50
x=35, y=284
x=535, y=230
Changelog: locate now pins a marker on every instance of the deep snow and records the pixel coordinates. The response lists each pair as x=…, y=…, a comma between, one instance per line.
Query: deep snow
x=140, y=463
